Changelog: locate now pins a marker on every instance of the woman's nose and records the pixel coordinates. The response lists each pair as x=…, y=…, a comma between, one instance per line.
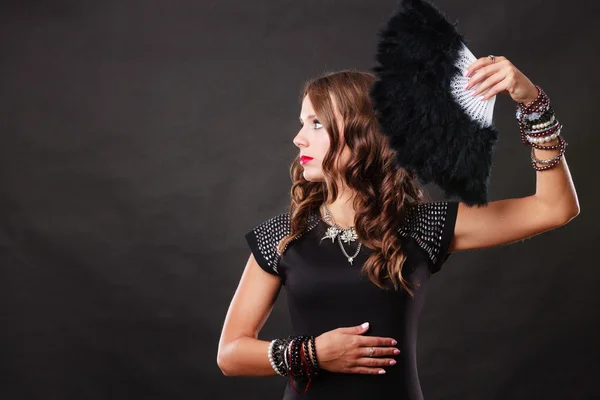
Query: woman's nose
x=299, y=140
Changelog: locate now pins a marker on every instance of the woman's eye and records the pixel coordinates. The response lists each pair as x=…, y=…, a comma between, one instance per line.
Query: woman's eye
x=317, y=124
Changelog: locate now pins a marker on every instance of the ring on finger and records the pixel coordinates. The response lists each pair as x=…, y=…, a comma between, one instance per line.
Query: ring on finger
x=493, y=58
x=371, y=352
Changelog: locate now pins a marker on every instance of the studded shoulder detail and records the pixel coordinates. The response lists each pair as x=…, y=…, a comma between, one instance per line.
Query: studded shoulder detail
x=431, y=225
x=265, y=237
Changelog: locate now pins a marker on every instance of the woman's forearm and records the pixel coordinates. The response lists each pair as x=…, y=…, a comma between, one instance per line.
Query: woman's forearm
x=245, y=356
x=554, y=187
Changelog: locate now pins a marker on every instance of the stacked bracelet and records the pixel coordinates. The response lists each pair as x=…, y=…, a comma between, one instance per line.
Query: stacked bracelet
x=549, y=163
x=295, y=357
x=538, y=125
x=276, y=359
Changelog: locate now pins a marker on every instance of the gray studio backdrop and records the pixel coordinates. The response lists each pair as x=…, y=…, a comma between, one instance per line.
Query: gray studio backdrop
x=142, y=139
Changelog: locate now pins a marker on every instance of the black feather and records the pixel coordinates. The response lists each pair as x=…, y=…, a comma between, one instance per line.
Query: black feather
x=429, y=131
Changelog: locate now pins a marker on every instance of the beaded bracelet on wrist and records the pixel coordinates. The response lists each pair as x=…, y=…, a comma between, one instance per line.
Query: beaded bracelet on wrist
x=541, y=125
x=544, y=131
x=546, y=147
x=532, y=112
x=540, y=129
x=538, y=125
x=306, y=375
x=548, y=137
x=313, y=350
x=311, y=370
x=295, y=364
x=534, y=118
x=552, y=162
x=276, y=353
x=296, y=358
x=540, y=104
x=270, y=354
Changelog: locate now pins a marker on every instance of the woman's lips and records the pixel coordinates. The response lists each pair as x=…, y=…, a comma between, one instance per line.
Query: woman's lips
x=305, y=159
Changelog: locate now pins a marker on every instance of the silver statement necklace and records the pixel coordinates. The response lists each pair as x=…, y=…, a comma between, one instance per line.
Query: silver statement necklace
x=345, y=234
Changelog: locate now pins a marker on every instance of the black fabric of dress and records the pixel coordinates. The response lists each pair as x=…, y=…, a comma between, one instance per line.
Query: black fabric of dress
x=326, y=292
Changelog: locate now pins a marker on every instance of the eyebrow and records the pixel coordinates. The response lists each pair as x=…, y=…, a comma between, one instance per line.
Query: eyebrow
x=308, y=116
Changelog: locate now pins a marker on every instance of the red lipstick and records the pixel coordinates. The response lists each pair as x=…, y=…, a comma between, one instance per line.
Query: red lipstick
x=305, y=159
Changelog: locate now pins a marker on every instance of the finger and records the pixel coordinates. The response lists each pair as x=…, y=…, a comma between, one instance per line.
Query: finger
x=375, y=362
x=482, y=74
x=375, y=341
x=499, y=87
x=377, y=351
x=488, y=83
x=368, y=371
x=357, y=330
x=476, y=65
x=381, y=351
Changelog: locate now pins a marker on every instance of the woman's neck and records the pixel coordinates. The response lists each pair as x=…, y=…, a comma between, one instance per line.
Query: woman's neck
x=342, y=209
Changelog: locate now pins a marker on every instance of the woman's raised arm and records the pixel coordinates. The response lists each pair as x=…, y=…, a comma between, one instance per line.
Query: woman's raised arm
x=555, y=201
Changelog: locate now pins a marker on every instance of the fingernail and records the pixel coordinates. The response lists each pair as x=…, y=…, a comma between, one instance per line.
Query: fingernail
x=466, y=86
x=394, y=342
x=365, y=325
x=481, y=97
x=396, y=351
x=466, y=73
x=473, y=93
x=393, y=362
x=381, y=371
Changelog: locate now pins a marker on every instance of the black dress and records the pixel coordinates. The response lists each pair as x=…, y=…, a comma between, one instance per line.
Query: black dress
x=326, y=292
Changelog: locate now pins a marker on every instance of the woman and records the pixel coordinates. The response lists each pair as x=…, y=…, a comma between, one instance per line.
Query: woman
x=385, y=244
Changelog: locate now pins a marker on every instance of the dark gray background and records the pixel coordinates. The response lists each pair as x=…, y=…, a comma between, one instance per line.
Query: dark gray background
x=142, y=139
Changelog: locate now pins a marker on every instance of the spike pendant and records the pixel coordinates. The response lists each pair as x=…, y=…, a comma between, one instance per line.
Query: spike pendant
x=350, y=258
x=347, y=235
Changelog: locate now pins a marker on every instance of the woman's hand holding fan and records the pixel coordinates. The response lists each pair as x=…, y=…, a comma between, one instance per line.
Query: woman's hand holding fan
x=497, y=75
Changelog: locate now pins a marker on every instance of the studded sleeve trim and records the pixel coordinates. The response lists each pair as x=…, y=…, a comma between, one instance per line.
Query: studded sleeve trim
x=431, y=225
x=265, y=237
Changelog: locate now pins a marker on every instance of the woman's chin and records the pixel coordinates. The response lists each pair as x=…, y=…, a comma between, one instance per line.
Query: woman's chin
x=312, y=177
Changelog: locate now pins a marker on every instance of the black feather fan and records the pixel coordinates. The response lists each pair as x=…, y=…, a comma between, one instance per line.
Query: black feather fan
x=431, y=133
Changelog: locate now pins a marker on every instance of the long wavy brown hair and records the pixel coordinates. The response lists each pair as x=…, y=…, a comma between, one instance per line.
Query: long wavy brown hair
x=383, y=190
